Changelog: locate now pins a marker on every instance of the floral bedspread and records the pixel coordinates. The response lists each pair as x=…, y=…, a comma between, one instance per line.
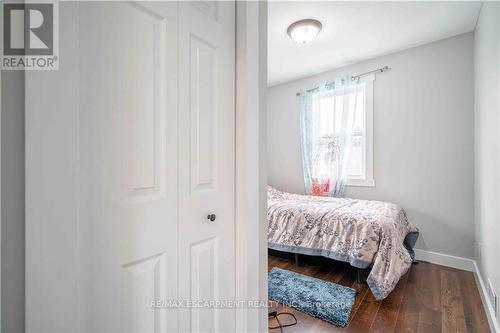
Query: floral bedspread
x=361, y=232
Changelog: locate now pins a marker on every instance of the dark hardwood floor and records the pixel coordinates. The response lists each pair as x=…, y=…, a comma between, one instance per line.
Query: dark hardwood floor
x=429, y=298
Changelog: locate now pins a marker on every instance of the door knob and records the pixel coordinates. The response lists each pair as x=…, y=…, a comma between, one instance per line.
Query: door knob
x=211, y=217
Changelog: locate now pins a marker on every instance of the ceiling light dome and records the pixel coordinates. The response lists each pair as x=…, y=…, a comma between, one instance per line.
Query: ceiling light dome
x=304, y=31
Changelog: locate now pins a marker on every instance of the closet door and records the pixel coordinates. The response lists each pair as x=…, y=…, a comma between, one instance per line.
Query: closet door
x=206, y=157
x=129, y=147
x=128, y=156
x=101, y=145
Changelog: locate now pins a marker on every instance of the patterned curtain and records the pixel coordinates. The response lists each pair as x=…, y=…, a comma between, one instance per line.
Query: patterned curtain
x=327, y=119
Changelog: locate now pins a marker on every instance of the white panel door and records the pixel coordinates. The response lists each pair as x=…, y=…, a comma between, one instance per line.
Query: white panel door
x=206, y=157
x=128, y=157
x=130, y=146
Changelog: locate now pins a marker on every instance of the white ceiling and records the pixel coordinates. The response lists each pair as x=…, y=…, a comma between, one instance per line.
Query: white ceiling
x=356, y=31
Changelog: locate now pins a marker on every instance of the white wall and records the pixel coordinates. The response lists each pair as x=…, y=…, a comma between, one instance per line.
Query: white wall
x=487, y=107
x=12, y=204
x=423, y=149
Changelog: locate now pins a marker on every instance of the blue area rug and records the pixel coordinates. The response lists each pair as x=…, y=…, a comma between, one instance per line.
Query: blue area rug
x=325, y=300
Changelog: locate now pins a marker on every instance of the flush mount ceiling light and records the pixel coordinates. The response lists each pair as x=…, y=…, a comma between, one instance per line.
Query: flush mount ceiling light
x=304, y=31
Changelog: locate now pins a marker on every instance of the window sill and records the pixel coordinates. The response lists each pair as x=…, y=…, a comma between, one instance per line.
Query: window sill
x=361, y=182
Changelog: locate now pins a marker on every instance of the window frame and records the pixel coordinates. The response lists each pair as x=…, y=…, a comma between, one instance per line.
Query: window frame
x=369, y=180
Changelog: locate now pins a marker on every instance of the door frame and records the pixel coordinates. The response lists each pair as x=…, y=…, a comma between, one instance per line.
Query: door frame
x=251, y=176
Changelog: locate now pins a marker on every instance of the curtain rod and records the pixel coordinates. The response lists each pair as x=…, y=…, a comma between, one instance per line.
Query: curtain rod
x=378, y=70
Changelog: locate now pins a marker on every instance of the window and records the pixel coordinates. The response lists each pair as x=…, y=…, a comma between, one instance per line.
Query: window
x=328, y=124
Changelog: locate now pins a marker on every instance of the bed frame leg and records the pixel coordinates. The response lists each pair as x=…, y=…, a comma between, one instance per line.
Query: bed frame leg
x=296, y=259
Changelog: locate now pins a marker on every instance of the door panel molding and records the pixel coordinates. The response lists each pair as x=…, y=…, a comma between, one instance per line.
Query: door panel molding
x=203, y=102
x=145, y=281
x=204, y=284
x=144, y=112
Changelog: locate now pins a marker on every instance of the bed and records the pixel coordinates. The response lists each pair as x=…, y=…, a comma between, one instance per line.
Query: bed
x=366, y=234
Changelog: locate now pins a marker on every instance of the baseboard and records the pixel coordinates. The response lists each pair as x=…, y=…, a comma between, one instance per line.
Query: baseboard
x=445, y=260
x=488, y=307
x=466, y=265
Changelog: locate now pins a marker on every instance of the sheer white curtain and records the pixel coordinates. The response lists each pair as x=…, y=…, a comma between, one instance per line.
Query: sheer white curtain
x=327, y=123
